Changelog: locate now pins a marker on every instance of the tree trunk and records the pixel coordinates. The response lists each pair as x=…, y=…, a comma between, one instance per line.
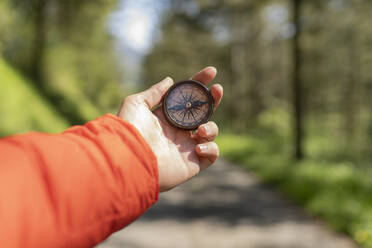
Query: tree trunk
x=238, y=73
x=37, y=61
x=256, y=74
x=297, y=84
x=351, y=90
x=38, y=46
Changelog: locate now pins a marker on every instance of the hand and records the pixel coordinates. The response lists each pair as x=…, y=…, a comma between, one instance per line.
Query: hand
x=180, y=154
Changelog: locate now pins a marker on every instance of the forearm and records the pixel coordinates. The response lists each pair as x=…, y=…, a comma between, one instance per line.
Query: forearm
x=75, y=188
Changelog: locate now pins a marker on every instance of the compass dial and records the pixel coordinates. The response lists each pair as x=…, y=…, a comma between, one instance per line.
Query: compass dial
x=188, y=104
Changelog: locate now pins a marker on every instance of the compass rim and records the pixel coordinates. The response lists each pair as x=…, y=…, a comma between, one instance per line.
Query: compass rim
x=203, y=120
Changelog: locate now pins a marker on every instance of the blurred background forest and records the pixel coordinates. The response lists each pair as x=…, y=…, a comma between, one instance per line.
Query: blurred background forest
x=297, y=77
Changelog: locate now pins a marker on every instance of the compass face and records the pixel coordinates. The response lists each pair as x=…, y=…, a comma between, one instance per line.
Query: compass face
x=188, y=104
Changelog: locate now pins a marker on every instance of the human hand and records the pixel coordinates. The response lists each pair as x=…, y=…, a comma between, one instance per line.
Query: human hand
x=180, y=154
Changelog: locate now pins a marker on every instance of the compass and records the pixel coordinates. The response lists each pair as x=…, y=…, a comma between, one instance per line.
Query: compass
x=188, y=104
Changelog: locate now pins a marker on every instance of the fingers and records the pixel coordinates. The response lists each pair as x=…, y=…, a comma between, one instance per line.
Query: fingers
x=207, y=150
x=206, y=75
x=208, y=154
x=155, y=93
x=206, y=132
x=217, y=93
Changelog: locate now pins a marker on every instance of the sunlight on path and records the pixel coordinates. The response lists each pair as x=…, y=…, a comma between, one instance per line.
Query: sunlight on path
x=225, y=207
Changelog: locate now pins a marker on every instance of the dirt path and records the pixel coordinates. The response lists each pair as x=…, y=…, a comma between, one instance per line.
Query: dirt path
x=225, y=207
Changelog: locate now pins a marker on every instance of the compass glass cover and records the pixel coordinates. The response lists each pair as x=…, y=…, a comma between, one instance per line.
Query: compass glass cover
x=188, y=104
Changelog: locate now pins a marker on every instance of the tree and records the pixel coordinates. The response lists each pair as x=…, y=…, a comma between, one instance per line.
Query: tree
x=51, y=46
x=297, y=82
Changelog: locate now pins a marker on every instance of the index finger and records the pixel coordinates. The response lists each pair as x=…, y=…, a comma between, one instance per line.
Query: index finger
x=206, y=75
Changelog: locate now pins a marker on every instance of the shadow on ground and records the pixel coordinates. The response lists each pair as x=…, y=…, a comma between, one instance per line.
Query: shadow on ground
x=229, y=204
x=225, y=207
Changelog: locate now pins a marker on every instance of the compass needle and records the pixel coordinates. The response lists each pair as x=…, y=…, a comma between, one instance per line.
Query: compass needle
x=191, y=96
x=184, y=98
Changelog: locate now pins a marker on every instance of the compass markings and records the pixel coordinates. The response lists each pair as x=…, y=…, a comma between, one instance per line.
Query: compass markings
x=196, y=100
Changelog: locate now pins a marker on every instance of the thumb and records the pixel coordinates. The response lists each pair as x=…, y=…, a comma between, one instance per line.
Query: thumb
x=155, y=93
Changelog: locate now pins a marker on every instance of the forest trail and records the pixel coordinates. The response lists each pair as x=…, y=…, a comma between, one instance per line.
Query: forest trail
x=226, y=207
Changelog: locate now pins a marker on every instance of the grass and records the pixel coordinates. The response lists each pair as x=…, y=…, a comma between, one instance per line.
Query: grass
x=339, y=192
x=22, y=108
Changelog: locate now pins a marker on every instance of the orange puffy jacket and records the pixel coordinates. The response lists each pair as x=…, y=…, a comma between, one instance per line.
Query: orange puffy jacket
x=75, y=188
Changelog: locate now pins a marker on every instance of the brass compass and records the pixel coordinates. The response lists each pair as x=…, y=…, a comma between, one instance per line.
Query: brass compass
x=188, y=104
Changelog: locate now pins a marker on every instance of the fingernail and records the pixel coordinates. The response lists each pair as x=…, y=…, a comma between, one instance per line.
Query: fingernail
x=166, y=83
x=168, y=79
x=203, y=148
x=213, y=68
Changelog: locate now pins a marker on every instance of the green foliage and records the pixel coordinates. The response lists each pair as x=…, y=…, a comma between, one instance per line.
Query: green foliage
x=83, y=51
x=64, y=47
x=63, y=73
x=22, y=108
x=339, y=192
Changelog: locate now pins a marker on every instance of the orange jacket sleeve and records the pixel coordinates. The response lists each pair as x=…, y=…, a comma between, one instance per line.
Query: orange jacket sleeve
x=76, y=188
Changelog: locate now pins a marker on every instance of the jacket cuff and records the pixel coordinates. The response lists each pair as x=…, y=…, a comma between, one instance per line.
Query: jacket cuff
x=145, y=154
